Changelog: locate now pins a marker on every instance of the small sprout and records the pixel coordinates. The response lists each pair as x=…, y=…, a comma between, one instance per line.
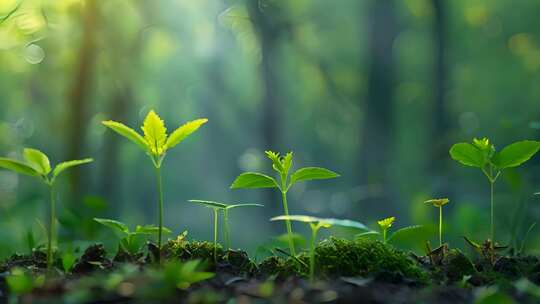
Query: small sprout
x=155, y=143
x=385, y=224
x=439, y=203
x=282, y=165
x=37, y=164
x=216, y=207
x=131, y=241
x=176, y=275
x=315, y=224
x=482, y=154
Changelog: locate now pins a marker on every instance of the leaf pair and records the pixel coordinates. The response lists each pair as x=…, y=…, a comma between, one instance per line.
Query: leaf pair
x=155, y=140
x=37, y=164
x=481, y=153
x=282, y=165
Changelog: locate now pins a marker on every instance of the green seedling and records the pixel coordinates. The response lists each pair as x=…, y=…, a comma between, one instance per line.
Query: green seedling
x=155, y=142
x=282, y=165
x=439, y=203
x=315, y=224
x=482, y=154
x=384, y=226
x=37, y=164
x=176, y=275
x=216, y=207
x=131, y=241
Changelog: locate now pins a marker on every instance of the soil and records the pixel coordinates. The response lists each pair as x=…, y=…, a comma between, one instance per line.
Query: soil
x=361, y=271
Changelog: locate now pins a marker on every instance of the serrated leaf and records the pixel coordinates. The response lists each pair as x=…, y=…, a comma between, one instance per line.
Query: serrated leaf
x=155, y=133
x=516, y=154
x=210, y=204
x=38, y=160
x=312, y=173
x=127, y=132
x=115, y=225
x=184, y=131
x=61, y=167
x=405, y=230
x=276, y=161
x=253, y=180
x=468, y=155
x=17, y=166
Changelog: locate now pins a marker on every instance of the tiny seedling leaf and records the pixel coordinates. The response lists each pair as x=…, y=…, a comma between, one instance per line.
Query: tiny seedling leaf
x=468, y=155
x=516, y=154
x=38, y=160
x=128, y=133
x=312, y=173
x=210, y=204
x=155, y=133
x=254, y=180
x=184, y=131
x=17, y=166
x=115, y=225
x=405, y=231
x=61, y=167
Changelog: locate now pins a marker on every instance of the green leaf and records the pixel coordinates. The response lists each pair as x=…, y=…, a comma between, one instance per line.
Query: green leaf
x=17, y=166
x=127, y=132
x=155, y=133
x=210, y=204
x=405, y=231
x=468, y=155
x=114, y=225
x=516, y=154
x=61, y=167
x=312, y=173
x=253, y=180
x=150, y=229
x=243, y=205
x=184, y=131
x=276, y=161
x=38, y=160
x=324, y=221
x=368, y=234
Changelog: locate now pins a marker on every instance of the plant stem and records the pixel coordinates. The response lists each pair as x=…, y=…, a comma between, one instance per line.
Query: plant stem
x=215, y=233
x=314, y=230
x=440, y=225
x=52, y=220
x=492, y=214
x=288, y=223
x=160, y=210
x=226, y=228
x=384, y=236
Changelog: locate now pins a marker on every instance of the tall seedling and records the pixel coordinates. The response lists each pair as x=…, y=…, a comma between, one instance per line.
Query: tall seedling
x=482, y=154
x=282, y=165
x=155, y=142
x=37, y=164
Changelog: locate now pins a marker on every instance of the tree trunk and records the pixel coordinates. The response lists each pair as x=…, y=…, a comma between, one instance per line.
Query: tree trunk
x=79, y=94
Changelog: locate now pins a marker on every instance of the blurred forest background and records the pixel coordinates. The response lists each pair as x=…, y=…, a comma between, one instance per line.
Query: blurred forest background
x=377, y=90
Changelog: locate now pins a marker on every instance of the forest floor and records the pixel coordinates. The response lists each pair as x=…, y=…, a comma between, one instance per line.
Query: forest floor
x=361, y=271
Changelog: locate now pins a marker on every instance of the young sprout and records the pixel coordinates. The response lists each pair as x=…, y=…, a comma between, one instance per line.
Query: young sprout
x=155, y=142
x=315, y=224
x=482, y=154
x=385, y=224
x=37, y=164
x=130, y=241
x=282, y=165
x=439, y=203
x=225, y=209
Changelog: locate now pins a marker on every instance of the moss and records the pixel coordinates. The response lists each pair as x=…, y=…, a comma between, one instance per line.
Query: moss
x=456, y=265
x=281, y=267
x=192, y=250
x=367, y=258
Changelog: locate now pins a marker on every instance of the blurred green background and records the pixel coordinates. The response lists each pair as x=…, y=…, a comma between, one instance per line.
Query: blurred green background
x=377, y=90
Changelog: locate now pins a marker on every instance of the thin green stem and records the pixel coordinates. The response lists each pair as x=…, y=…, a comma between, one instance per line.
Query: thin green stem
x=160, y=210
x=52, y=220
x=288, y=223
x=215, y=233
x=314, y=230
x=226, y=228
x=384, y=235
x=440, y=225
x=492, y=214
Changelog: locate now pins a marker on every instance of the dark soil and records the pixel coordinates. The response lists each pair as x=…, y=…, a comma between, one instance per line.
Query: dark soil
x=362, y=271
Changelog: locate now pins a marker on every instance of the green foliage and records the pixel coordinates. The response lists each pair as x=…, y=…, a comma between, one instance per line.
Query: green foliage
x=155, y=143
x=21, y=282
x=131, y=241
x=282, y=165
